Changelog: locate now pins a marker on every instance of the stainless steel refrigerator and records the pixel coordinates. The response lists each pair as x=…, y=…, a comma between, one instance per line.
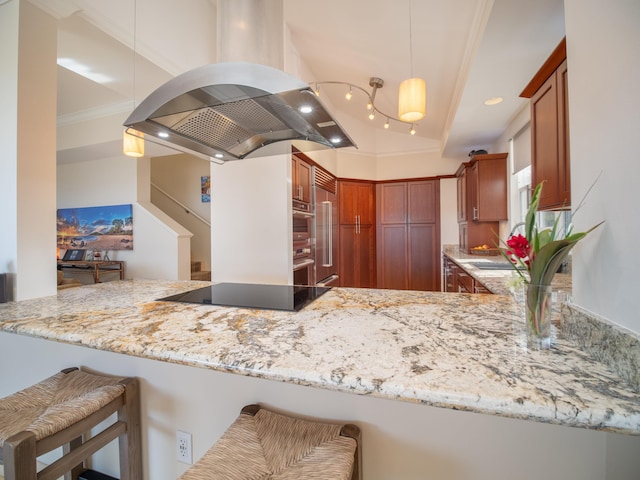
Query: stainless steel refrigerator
x=325, y=228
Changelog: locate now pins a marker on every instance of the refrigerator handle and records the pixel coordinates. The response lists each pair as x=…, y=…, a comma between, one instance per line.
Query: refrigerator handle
x=327, y=260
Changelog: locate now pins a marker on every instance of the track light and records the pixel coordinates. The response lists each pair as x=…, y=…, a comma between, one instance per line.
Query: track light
x=375, y=83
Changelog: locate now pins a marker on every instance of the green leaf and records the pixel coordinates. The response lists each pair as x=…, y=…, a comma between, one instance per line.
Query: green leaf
x=530, y=219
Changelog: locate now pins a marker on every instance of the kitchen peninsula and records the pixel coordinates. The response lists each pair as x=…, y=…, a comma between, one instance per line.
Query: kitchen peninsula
x=456, y=351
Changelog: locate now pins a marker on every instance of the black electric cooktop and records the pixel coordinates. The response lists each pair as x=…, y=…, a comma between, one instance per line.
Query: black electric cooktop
x=249, y=295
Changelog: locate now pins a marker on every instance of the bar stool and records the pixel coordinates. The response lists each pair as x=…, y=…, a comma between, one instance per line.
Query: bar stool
x=60, y=411
x=262, y=444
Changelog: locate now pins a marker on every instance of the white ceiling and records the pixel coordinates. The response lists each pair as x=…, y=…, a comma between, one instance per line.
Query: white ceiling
x=466, y=50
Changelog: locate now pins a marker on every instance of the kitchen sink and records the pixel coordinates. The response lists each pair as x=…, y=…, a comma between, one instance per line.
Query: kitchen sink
x=496, y=265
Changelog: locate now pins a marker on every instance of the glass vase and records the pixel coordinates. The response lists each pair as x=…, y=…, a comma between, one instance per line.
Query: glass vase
x=538, y=305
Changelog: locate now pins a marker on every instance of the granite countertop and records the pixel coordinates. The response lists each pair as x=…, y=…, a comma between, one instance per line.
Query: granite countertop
x=458, y=351
x=496, y=281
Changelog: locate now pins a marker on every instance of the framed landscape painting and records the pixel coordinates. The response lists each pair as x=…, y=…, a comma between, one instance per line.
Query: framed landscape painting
x=95, y=228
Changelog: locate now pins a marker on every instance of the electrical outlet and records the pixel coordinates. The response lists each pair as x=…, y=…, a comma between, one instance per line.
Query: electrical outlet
x=183, y=447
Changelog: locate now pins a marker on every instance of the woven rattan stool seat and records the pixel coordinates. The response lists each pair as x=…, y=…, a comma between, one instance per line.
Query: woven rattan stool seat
x=55, y=403
x=261, y=444
x=59, y=412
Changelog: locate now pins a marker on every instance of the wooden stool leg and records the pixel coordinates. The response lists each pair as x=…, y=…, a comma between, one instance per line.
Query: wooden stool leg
x=131, y=441
x=19, y=456
x=78, y=469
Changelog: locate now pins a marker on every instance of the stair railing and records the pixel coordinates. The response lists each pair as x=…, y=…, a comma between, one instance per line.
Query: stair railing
x=182, y=205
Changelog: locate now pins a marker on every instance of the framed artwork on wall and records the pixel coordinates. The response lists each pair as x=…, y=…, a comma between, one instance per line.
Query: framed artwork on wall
x=205, y=188
x=95, y=228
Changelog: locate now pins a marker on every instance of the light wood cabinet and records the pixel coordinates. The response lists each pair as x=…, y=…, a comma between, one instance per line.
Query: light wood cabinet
x=408, y=233
x=550, y=159
x=357, y=237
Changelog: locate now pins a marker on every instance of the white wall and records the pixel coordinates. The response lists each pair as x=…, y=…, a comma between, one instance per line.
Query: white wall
x=179, y=176
x=449, y=211
x=402, y=441
x=251, y=221
x=159, y=242
x=27, y=166
x=603, y=48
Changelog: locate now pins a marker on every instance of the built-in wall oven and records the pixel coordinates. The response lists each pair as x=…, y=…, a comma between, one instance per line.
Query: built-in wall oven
x=303, y=244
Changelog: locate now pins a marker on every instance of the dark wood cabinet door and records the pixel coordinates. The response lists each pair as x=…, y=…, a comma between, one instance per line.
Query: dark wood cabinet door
x=544, y=141
x=423, y=249
x=550, y=157
x=357, y=256
x=392, y=202
x=462, y=196
x=408, y=235
x=393, y=256
x=367, y=256
x=422, y=199
x=347, y=256
x=301, y=174
x=357, y=203
x=564, y=170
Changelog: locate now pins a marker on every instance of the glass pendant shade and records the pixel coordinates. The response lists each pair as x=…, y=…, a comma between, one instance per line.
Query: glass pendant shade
x=412, y=99
x=133, y=146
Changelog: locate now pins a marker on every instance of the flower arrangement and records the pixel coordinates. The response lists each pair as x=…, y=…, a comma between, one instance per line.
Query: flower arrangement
x=539, y=254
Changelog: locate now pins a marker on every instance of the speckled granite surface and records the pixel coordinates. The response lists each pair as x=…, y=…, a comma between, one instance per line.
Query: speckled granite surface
x=617, y=348
x=457, y=351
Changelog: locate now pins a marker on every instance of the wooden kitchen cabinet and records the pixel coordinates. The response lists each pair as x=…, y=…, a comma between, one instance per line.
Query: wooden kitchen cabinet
x=550, y=159
x=357, y=234
x=357, y=203
x=407, y=235
x=456, y=279
x=301, y=175
x=482, y=199
x=357, y=256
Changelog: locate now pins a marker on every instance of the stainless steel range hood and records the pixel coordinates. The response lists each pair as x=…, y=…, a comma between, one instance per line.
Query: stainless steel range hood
x=227, y=111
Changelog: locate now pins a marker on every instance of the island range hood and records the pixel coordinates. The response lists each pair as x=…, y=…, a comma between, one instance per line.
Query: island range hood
x=227, y=111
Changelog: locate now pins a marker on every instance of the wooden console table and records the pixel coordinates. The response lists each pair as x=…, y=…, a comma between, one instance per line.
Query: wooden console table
x=98, y=267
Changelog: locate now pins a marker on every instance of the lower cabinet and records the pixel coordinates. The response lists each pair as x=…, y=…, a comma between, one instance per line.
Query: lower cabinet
x=357, y=256
x=456, y=279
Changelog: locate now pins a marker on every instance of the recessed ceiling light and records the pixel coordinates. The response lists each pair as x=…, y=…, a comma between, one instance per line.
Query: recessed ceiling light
x=306, y=109
x=336, y=139
x=163, y=135
x=218, y=155
x=493, y=101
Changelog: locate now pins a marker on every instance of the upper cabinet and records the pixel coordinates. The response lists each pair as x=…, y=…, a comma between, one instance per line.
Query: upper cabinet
x=550, y=161
x=301, y=175
x=482, y=188
x=482, y=199
x=357, y=203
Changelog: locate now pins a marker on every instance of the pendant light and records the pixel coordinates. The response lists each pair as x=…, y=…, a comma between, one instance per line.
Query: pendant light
x=132, y=140
x=412, y=96
x=133, y=143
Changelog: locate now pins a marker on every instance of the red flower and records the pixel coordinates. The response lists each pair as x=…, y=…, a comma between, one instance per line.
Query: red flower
x=519, y=246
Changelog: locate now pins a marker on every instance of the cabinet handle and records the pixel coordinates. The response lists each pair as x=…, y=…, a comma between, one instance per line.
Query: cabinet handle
x=357, y=224
x=475, y=213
